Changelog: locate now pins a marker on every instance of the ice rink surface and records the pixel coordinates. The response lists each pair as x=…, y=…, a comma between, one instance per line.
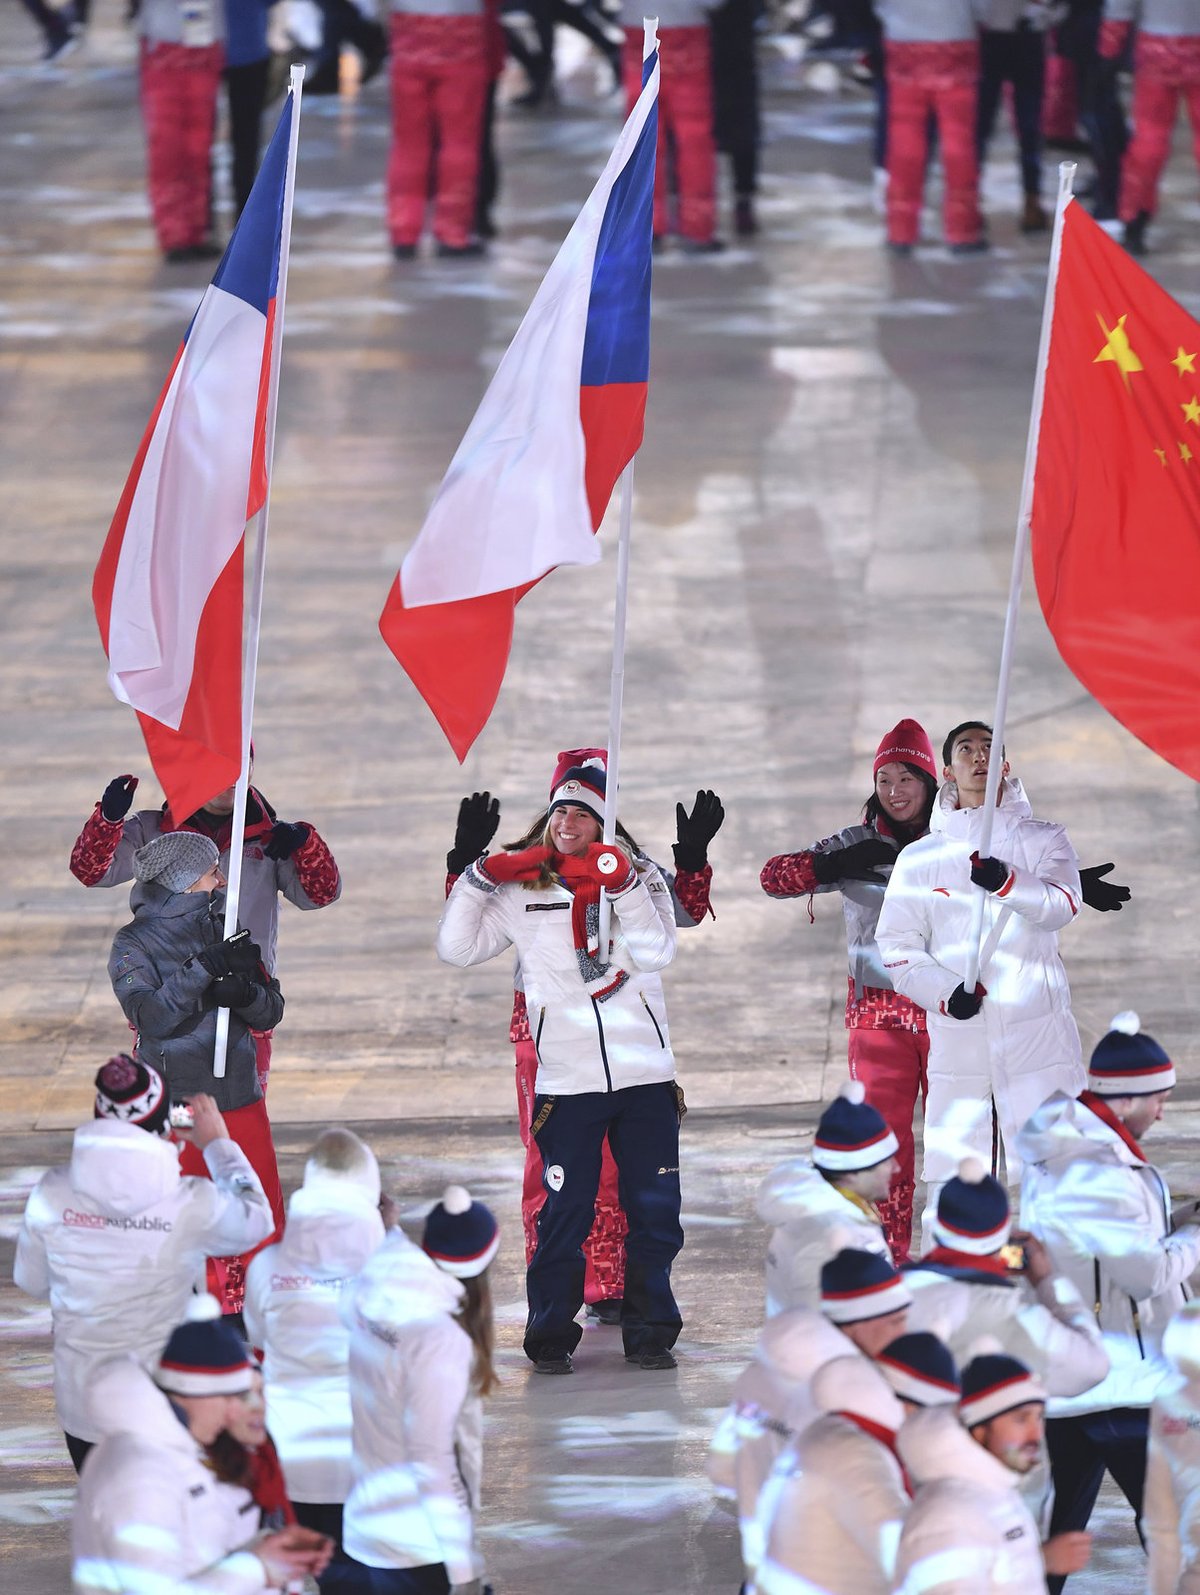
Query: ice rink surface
x=823, y=526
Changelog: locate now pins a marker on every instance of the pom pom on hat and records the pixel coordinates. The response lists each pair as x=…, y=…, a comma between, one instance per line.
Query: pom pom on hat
x=853, y=1091
x=576, y=759
x=204, y=1356
x=1129, y=1063
x=461, y=1235
x=851, y=1134
x=972, y=1211
x=202, y=1309
x=971, y=1171
x=131, y=1092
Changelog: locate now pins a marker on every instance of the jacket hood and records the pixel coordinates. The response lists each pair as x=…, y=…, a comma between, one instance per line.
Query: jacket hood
x=125, y=1400
x=364, y=1180
x=401, y=1285
x=122, y=1169
x=149, y=900
x=948, y=818
x=331, y=1230
x=853, y=1384
x=795, y=1342
x=1065, y=1130
x=797, y=1190
x=934, y=1445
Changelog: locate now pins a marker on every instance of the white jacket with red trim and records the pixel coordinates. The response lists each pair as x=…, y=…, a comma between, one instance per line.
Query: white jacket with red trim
x=924, y=930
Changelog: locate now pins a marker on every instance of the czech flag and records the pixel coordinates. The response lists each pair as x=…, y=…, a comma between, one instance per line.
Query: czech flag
x=168, y=590
x=533, y=475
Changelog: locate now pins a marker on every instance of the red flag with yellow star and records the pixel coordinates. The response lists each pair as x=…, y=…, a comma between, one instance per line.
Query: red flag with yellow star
x=1116, y=503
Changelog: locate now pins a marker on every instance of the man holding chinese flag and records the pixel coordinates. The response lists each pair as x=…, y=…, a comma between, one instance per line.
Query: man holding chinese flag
x=1116, y=505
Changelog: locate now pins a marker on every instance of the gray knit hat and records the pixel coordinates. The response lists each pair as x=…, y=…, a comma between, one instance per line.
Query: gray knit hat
x=175, y=860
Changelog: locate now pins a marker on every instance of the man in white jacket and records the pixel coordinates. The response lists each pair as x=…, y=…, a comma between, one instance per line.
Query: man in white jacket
x=997, y=1053
x=293, y=1312
x=151, y=1517
x=819, y=1207
x=968, y=1532
x=837, y=1522
x=117, y=1239
x=1104, y=1213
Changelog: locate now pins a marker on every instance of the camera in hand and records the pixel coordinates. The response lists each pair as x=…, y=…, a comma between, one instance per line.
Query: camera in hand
x=181, y=1116
x=1014, y=1257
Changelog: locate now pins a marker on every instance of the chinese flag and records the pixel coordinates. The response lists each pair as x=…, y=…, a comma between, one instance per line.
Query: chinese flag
x=1116, y=503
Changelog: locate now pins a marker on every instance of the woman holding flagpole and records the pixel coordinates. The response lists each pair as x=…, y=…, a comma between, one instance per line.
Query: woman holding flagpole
x=605, y=1066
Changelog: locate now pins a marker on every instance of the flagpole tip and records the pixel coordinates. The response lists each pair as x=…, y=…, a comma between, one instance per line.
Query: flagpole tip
x=296, y=76
x=650, y=37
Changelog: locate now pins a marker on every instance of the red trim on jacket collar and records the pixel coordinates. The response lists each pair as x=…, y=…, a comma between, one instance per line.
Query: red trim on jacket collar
x=991, y=1263
x=222, y=832
x=877, y=1431
x=1106, y=1116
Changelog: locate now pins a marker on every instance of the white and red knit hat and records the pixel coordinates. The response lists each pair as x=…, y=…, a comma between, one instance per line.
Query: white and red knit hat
x=972, y=1211
x=461, y=1236
x=993, y=1384
x=131, y=1092
x=573, y=759
x=581, y=785
x=1129, y=1063
x=906, y=743
x=857, y=1286
x=851, y=1134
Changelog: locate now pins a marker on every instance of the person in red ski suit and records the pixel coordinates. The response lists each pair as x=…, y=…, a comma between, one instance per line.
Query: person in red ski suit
x=686, y=147
x=440, y=74
x=277, y=857
x=181, y=60
x=932, y=66
x=478, y=822
x=1166, y=65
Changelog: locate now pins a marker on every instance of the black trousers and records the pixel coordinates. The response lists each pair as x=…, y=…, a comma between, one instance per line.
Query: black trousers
x=355, y=1578
x=78, y=1449
x=1080, y=1450
x=1100, y=109
x=737, y=121
x=324, y=1517
x=246, y=88
x=1018, y=58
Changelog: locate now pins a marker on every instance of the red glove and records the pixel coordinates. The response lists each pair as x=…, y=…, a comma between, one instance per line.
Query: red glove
x=500, y=868
x=606, y=865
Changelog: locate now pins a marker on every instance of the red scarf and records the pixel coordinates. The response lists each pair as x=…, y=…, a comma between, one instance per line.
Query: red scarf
x=1106, y=1116
x=267, y=1484
x=993, y=1263
x=886, y=1437
x=585, y=903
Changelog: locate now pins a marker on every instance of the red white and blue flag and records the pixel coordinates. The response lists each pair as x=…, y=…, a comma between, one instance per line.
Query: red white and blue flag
x=531, y=480
x=168, y=589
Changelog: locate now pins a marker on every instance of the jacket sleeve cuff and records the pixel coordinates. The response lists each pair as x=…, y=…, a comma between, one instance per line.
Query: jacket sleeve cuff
x=476, y=875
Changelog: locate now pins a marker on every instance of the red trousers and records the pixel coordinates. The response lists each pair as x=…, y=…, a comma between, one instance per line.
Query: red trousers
x=439, y=93
x=251, y=1129
x=685, y=126
x=893, y=1066
x=262, y=1057
x=1164, y=69
x=179, y=107
x=942, y=79
x=604, y=1249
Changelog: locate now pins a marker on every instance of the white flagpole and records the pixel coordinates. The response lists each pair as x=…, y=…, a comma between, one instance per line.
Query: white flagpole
x=233, y=890
x=1066, y=177
x=617, y=693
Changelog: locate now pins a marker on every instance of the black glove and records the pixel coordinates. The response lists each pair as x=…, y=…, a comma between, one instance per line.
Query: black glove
x=118, y=798
x=961, y=1006
x=858, y=862
x=478, y=822
x=285, y=839
x=1104, y=896
x=696, y=830
x=232, y=991
x=215, y=959
x=243, y=955
x=990, y=873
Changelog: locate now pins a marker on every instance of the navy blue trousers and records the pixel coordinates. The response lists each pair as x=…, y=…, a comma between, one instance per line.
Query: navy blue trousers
x=1018, y=58
x=1080, y=1450
x=642, y=1125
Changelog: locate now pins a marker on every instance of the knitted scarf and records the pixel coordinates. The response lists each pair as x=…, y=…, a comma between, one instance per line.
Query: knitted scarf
x=599, y=977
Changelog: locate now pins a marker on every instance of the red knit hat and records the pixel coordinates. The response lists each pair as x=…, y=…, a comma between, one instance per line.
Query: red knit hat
x=906, y=743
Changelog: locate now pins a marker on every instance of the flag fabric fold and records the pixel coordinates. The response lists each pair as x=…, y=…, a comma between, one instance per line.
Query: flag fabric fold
x=530, y=482
x=1115, y=523
x=168, y=588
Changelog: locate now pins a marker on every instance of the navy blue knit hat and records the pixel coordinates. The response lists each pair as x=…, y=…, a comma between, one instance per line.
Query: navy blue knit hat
x=204, y=1356
x=461, y=1236
x=972, y=1211
x=856, y=1286
x=851, y=1134
x=920, y=1368
x=582, y=787
x=995, y=1383
x=1129, y=1063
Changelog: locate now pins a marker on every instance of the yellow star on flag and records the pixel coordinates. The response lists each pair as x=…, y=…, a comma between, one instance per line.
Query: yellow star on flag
x=1118, y=348
x=1184, y=362
x=1185, y=454
x=1191, y=410
x=1162, y=457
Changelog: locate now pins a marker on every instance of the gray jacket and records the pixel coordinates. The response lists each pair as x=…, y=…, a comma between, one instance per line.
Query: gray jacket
x=164, y=990
x=1167, y=18
x=931, y=21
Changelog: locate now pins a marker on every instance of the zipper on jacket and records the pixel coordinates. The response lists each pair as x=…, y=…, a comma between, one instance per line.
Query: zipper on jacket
x=653, y=1021
x=603, y=1048
x=537, y=1038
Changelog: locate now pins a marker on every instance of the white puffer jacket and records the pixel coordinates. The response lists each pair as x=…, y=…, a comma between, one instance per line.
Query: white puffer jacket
x=293, y=1311
x=812, y=1221
x=1023, y=1040
x=119, y=1225
x=583, y=1043
x=1104, y=1213
x=150, y=1517
x=418, y=1425
x=772, y=1404
x=967, y=1532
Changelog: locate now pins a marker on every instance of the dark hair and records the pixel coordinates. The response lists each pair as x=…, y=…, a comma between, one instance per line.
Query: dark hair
x=536, y=836
x=873, y=809
x=476, y=1318
x=967, y=725
x=230, y=1460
